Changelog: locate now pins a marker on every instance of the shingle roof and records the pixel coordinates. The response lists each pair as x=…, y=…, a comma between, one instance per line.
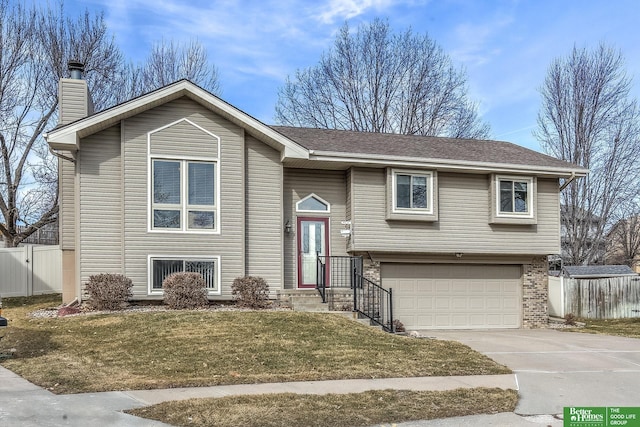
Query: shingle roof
x=421, y=147
x=597, y=270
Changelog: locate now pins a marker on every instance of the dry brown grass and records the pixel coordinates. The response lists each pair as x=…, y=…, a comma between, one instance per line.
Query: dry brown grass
x=338, y=410
x=621, y=327
x=200, y=348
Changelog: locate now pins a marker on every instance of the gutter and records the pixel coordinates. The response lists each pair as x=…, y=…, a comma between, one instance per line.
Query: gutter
x=363, y=158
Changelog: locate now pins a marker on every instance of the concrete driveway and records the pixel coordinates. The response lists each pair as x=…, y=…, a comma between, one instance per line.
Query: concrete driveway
x=557, y=369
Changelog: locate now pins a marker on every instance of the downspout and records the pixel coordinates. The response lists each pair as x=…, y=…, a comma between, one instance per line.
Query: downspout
x=569, y=181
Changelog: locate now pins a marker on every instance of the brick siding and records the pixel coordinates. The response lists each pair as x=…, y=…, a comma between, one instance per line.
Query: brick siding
x=535, y=293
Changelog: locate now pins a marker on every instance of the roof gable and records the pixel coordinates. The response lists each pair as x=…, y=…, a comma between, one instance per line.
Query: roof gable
x=67, y=137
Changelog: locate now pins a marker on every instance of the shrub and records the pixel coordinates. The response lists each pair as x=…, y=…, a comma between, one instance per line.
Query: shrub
x=570, y=319
x=185, y=291
x=250, y=291
x=108, y=291
x=398, y=326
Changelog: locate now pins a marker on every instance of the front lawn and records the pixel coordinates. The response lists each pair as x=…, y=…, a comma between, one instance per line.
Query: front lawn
x=337, y=410
x=620, y=327
x=199, y=348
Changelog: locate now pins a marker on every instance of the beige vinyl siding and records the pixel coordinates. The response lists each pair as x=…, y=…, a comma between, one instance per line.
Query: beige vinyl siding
x=328, y=185
x=139, y=243
x=193, y=142
x=349, y=208
x=100, y=212
x=74, y=100
x=264, y=213
x=463, y=223
x=67, y=214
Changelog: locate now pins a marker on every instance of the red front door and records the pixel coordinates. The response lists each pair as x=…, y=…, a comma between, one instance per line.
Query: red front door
x=313, y=240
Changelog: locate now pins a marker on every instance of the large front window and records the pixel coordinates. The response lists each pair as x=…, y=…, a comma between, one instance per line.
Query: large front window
x=162, y=267
x=183, y=195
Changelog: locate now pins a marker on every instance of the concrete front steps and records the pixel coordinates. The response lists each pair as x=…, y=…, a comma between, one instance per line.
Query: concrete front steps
x=338, y=299
x=309, y=300
x=303, y=300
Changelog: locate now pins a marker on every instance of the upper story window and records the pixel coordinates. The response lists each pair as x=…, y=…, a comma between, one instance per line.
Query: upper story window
x=183, y=195
x=412, y=195
x=514, y=196
x=313, y=203
x=413, y=191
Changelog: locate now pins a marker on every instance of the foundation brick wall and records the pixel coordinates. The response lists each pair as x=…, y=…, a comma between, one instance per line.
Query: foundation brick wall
x=371, y=269
x=535, y=293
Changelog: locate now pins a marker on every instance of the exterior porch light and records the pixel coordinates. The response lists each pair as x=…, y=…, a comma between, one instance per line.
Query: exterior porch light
x=287, y=227
x=458, y=254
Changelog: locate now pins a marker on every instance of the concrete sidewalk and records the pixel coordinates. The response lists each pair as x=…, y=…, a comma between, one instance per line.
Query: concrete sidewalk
x=25, y=404
x=150, y=397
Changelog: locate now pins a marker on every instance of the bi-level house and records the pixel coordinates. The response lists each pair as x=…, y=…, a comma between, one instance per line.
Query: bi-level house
x=180, y=180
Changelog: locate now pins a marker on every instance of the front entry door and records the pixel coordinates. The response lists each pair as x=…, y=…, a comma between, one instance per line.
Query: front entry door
x=313, y=239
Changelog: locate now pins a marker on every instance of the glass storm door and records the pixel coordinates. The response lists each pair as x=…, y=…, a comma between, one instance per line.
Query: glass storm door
x=313, y=238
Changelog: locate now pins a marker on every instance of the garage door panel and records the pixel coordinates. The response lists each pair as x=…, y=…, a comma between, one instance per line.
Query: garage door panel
x=424, y=303
x=404, y=303
x=449, y=296
x=459, y=303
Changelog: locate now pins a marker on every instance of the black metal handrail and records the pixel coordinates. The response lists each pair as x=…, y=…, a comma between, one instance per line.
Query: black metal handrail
x=321, y=277
x=373, y=302
x=336, y=272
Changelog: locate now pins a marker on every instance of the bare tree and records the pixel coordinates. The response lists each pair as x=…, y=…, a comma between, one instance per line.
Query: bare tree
x=36, y=45
x=378, y=81
x=588, y=118
x=169, y=62
x=623, y=240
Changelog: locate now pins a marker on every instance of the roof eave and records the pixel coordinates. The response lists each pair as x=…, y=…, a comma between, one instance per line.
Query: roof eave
x=445, y=164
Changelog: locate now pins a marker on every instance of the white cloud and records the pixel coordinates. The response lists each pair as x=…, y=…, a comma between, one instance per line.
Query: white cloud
x=340, y=10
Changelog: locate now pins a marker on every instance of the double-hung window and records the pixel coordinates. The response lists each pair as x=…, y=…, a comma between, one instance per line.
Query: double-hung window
x=183, y=195
x=515, y=196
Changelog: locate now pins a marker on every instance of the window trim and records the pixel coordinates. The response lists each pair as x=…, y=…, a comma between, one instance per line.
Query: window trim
x=430, y=175
x=531, y=194
x=318, y=198
x=173, y=257
x=183, y=183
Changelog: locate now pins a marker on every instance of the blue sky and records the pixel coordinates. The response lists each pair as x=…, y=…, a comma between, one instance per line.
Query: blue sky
x=505, y=46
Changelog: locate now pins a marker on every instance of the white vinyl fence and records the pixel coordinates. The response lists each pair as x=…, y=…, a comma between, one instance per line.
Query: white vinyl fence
x=556, y=297
x=606, y=298
x=30, y=270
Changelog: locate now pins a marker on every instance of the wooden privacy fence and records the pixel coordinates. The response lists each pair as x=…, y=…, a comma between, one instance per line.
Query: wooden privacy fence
x=30, y=270
x=606, y=298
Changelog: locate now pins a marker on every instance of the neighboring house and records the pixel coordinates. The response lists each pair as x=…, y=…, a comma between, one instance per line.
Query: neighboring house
x=178, y=179
x=623, y=243
x=46, y=235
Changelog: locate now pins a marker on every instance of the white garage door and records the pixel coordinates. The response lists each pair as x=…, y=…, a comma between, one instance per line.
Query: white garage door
x=455, y=296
